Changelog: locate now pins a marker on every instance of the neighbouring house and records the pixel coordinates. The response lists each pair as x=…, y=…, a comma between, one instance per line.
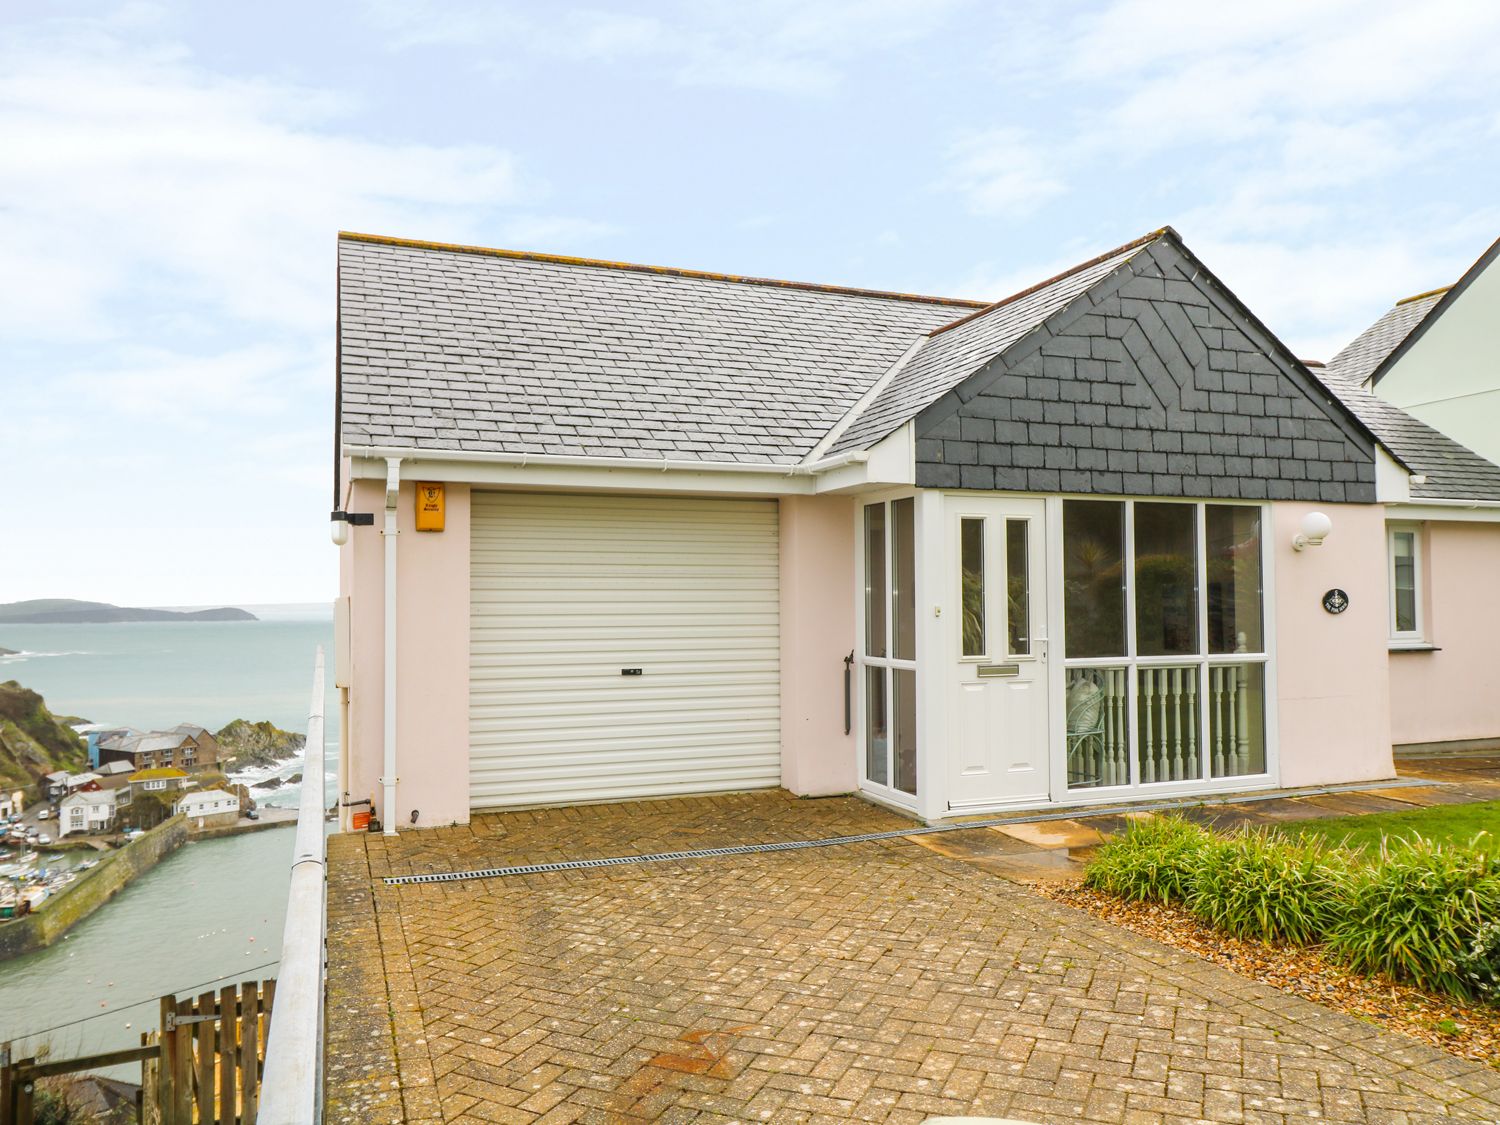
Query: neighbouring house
x=86, y=811
x=185, y=746
x=201, y=748
x=112, y=735
x=159, y=779
x=77, y=781
x=10, y=803
x=115, y=775
x=652, y=531
x=55, y=785
x=1442, y=511
x=210, y=808
x=1435, y=356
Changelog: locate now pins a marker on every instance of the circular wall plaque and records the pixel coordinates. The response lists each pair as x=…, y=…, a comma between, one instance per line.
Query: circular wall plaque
x=1335, y=601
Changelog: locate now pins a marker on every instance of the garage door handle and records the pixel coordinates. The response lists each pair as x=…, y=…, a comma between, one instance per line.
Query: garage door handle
x=631, y=671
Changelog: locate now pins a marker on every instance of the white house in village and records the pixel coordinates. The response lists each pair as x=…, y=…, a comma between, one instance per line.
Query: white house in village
x=210, y=808
x=643, y=531
x=88, y=810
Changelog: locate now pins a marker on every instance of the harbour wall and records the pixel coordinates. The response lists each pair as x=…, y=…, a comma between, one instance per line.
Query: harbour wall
x=92, y=889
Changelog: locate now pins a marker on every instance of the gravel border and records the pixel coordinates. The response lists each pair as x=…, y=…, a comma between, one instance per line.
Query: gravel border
x=1465, y=1029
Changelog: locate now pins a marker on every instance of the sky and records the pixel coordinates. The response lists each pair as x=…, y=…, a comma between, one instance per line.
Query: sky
x=173, y=177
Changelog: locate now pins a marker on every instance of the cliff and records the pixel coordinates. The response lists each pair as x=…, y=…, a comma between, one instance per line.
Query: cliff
x=245, y=745
x=33, y=741
x=67, y=611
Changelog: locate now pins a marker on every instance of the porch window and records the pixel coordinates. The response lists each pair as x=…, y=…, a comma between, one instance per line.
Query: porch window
x=890, y=646
x=1164, y=642
x=1403, y=543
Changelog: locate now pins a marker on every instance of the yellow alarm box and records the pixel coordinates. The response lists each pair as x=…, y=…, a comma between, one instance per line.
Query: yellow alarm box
x=429, y=506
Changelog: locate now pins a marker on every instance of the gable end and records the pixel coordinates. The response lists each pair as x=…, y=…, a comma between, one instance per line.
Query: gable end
x=1156, y=382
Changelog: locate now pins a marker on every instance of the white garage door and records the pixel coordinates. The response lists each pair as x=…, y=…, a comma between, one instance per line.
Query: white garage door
x=621, y=647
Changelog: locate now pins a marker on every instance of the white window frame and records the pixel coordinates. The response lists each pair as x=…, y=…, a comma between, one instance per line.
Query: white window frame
x=1131, y=662
x=889, y=663
x=1405, y=638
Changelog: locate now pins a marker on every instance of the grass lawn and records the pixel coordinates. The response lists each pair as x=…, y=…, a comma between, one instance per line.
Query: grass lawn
x=1449, y=824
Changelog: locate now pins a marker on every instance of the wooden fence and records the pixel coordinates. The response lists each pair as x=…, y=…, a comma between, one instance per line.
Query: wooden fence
x=203, y=1067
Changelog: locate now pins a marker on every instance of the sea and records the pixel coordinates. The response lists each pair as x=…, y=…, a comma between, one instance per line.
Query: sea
x=212, y=912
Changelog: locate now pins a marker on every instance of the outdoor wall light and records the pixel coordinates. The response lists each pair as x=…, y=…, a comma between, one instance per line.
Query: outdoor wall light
x=1313, y=530
x=341, y=522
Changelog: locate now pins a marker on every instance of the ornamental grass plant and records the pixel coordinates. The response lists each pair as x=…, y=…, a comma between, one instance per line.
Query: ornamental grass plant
x=1257, y=884
x=1416, y=911
x=1154, y=860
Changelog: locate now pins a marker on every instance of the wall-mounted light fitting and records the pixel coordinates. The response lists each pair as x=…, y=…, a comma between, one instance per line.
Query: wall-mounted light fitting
x=1313, y=530
x=338, y=529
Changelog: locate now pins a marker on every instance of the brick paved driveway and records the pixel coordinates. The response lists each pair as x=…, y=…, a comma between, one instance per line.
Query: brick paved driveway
x=869, y=982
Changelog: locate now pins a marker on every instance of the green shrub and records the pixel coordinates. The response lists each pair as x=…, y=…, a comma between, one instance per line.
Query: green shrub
x=1417, y=911
x=1479, y=965
x=1259, y=885
x=1154, y=859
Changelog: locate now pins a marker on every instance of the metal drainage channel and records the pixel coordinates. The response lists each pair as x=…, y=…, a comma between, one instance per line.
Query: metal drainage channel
x=894, y=834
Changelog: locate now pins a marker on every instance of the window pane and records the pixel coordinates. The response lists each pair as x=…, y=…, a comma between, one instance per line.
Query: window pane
x=906, y=729
x=877, y=739
x=1168, y=724
x=1166, y=579
x=1404, y=579
x=875, y=595
x=903, y=581
x=1094, y=577
x=1234, y=582
x=971, y=567
x=1098, y=714
x=1236, y=720
x=1018, y=588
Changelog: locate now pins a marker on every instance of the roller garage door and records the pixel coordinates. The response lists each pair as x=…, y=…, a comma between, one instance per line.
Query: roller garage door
x=621, y=647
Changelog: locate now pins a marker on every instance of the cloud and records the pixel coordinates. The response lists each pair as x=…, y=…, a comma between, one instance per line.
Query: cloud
x=778, y=46
x=131, y=176
x=167, y=236
x=1002, y=172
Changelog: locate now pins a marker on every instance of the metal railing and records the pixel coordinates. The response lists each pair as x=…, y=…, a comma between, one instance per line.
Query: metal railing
x=292, y=1086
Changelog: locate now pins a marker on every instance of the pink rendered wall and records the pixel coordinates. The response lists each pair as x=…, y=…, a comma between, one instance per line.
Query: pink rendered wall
x=432, y=617
x=1333, y=685
x=817, y=632
x=1453, y=694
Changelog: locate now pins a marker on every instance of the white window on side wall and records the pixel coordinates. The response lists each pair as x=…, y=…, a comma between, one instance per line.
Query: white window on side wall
x=1404, y=551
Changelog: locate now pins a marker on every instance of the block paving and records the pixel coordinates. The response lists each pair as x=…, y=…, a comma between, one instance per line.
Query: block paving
x=881, y=982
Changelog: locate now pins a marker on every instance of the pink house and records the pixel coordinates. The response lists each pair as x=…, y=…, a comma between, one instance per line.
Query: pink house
x=1431, y=362
x=613, y=531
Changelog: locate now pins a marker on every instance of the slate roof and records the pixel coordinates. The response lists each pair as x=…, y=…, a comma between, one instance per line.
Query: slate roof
x=1362, y=355
x=953, y=352
x=459, y=348
x=1453, y=471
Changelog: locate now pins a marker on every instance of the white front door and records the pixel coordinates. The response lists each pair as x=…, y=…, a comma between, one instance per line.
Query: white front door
x=997, y=652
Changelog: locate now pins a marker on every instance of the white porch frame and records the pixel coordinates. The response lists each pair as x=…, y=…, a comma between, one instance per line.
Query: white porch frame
x=932, y=561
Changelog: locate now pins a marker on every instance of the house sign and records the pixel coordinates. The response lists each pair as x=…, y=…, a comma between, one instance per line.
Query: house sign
x=1335, y=601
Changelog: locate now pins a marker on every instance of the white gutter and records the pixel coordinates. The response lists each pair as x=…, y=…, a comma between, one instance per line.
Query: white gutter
x=393, y=455
x=388, y=778
x=1424, y=502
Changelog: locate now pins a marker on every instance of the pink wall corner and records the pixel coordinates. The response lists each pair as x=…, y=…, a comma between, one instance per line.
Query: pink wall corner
x=817, y=632
x=1451, y=694
x=1332, y=677
x=432, y=712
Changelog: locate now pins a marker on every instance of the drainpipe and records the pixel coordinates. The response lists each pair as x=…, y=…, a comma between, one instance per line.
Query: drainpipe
x=388, y=780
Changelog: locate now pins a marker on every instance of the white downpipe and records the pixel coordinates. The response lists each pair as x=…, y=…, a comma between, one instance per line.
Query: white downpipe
x=388, y=778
